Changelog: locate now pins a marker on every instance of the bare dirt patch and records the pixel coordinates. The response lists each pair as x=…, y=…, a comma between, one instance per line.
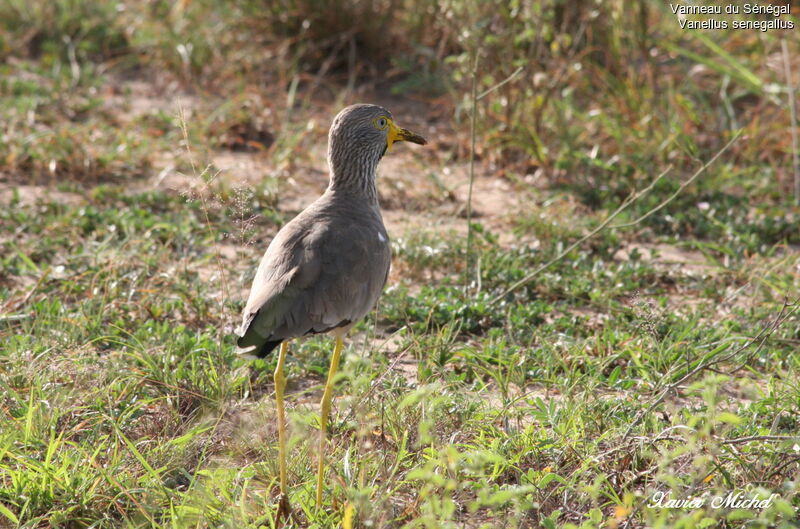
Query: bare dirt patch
x=29, y=195
x=668, y=257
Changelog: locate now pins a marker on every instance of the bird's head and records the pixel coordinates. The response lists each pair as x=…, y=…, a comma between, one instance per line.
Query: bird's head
x=361, y=134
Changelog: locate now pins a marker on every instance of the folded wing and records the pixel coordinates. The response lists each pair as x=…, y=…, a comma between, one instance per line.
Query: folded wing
x=321, y=272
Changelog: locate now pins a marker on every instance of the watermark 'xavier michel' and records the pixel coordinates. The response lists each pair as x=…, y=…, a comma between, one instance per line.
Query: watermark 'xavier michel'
x=732, y=500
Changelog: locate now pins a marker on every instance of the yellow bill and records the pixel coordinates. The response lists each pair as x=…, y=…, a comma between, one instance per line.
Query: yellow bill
x=398, y=134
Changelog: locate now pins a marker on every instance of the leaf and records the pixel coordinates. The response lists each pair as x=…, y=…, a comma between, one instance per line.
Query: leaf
x=785, y=508
x=729, y=418
x=185, y=438
x=548, y=478
x=5, y=511
x=741, y=514
x=612, y=378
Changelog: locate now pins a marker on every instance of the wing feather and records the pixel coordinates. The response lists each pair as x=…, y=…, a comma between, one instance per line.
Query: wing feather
x=324, y=269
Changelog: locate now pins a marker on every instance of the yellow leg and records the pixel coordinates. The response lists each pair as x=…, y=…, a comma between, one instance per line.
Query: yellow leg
x=325, y=409
x=280, y=385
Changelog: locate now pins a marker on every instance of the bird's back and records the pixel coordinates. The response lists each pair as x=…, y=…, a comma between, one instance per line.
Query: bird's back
x=324, y=270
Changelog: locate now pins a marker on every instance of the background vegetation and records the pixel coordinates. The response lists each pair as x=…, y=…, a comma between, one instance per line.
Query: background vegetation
x=150, y=149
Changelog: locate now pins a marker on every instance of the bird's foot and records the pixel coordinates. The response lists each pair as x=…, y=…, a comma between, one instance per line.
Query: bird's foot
x=284, y=510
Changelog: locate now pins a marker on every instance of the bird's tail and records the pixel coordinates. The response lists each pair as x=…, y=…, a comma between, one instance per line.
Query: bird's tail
x=258, y=350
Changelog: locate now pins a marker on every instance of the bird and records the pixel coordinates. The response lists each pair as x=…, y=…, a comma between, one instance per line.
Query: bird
x=326, y=268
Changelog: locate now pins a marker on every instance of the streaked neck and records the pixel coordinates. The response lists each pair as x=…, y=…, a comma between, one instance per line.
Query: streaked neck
x=354, y=172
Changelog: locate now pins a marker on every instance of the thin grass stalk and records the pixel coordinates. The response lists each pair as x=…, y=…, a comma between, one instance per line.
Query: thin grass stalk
x=204, y=204
x=633, y=197
x=793, y=116
x=473, y=119
x=475, y=99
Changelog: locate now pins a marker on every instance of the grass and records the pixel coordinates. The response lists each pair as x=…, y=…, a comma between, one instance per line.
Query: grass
x=151, y=151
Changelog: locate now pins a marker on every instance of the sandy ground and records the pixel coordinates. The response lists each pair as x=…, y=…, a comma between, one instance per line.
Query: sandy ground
x=422, y=189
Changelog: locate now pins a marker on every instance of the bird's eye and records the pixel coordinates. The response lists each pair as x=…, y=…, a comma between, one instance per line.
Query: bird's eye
x=381, y=123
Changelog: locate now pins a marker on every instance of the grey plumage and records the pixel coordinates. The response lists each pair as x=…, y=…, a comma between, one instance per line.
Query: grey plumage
x=326, y=268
